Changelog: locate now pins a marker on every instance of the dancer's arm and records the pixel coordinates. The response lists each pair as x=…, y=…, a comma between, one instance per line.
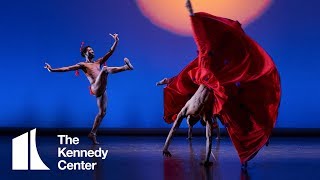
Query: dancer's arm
x=173, y=129
x=110, y=52
x=164, y=81
x=62, y=69
x=189, y=7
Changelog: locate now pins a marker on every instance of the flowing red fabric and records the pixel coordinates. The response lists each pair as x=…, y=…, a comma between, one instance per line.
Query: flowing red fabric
x=243, y=77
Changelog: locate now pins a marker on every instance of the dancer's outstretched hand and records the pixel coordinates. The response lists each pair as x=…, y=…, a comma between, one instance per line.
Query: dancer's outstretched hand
x=189, y=7
x=162, y=82
x=115, y=36
x=48, y=67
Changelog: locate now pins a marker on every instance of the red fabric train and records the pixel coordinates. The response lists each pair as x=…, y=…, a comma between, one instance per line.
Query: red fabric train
x=243, y=77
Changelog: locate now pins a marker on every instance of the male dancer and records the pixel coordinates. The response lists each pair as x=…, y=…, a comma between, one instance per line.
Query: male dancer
x=97, y=77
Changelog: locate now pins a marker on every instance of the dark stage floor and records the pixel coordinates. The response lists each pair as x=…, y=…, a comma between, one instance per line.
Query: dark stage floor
x=140, y=157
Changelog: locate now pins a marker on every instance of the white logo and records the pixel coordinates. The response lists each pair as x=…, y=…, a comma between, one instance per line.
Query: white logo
x=20, y=153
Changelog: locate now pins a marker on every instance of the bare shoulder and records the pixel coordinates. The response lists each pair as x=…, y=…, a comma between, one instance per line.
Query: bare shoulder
x=81, y=63
x=98, y=61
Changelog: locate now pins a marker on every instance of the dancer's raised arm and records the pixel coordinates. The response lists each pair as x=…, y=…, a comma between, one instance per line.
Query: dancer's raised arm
x=189, y=7
x=110, y=52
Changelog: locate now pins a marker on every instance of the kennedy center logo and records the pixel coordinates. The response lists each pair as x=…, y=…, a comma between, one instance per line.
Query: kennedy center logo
x=20, y=153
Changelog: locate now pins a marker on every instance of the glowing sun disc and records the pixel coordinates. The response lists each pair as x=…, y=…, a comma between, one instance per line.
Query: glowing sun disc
x=172, y=15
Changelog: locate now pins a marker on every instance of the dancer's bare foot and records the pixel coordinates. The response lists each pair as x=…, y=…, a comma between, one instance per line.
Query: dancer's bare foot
x=93, y=138
x=166, y=153
x=127, y=61
x=267, y=143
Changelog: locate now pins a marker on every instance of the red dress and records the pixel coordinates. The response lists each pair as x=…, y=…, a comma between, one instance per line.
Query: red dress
x=243, y=77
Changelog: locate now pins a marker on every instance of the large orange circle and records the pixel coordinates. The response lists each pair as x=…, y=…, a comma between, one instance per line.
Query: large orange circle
x=173, y=16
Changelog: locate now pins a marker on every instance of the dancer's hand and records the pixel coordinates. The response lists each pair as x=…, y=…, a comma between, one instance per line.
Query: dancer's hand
x=189, y=7
x=115, y=36
x=162, y=82
x=48, y=67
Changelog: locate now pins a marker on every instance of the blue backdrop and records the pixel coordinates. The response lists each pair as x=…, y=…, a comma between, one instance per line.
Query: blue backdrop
x=33, y=32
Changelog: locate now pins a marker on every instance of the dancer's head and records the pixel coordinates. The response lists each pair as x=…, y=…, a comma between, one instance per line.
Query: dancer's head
x=87, y=51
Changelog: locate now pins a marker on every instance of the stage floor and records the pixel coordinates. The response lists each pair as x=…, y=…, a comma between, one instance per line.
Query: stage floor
x=140, y=157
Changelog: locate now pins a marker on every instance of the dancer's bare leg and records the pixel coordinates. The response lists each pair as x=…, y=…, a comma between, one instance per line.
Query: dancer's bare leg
x=99, y=89
x=113, y=70
x=218, y=133
x=189, y=128
x=208, y=120
x=102, y=106
x=191, y=121
x=99, y=86
x=217, y=129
